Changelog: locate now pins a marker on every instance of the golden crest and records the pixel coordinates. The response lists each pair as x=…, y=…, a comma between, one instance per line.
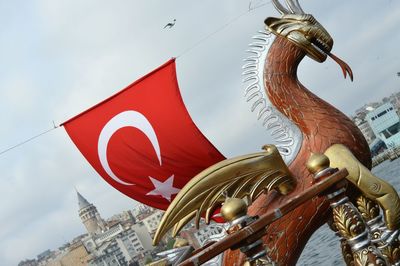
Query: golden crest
x=241, y=177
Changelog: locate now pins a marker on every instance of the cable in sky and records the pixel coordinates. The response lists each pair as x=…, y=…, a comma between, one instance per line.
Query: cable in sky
x=29, y=139
x=184, y=52
x=221, y=28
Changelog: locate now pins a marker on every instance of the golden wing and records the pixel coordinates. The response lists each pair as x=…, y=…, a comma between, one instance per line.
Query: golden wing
x=244, y=176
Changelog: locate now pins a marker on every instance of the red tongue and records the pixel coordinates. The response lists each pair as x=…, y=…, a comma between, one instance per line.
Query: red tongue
x=345, y=67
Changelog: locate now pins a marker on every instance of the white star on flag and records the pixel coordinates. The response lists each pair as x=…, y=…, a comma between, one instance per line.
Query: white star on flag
x=164, y=189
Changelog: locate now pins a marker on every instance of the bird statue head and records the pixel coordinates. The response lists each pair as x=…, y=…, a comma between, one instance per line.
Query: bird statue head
x=304, y=31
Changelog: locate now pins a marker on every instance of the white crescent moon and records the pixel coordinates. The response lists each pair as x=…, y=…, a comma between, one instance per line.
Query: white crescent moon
x=124, y=119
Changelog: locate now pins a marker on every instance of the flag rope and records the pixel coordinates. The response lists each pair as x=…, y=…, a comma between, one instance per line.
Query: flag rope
x=221, y=28
x=28, y=140
x=183, y=53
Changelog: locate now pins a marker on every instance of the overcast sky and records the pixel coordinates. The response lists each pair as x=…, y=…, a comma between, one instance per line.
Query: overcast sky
x=59, y=58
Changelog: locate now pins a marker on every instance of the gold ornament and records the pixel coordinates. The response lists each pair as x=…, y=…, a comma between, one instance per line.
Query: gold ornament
x=372, y=187
x=233, y=208
x=317, y=162
x=242, y=177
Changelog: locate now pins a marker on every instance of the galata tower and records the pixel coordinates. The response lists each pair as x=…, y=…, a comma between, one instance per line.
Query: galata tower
x=90, y=216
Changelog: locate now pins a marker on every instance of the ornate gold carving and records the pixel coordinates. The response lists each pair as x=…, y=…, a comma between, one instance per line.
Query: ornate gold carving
x=373, y=187
x=305, y=31
x=369, y=256
x=347, y=253
x=259, y=262
x=347, y=220
x=368, y=208
x=345, y=247
x=370, y=212
x=244, y=176
x=392, y=252
x=357, y=248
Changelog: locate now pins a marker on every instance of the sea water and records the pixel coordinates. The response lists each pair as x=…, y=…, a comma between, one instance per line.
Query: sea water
x=324, y=246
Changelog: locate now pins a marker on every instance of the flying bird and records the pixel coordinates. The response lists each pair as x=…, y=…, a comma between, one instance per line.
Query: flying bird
x=170, y=25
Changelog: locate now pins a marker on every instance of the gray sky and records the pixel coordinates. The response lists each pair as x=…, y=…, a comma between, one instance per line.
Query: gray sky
x=58, y=58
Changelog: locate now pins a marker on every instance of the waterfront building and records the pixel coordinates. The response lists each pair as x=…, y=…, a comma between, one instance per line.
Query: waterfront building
x=377, y=147
x=385, y=123
x=123, y=240
x=28, y=262
x=74, y=255
x=45, y=257
x=92, y=242
x=394, y=99
x=366, y=130
x=45, y=254
x=152, y=221
x=143, y=235
x=109, y=255
x=125, y=216
x=126, y=248
x=362, y=112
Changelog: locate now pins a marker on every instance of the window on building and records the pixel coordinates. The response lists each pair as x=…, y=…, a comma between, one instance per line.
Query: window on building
x=382, y=113
x=393, y=129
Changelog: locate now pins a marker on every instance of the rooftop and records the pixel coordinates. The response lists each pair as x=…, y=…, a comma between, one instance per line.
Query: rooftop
x=83, y=203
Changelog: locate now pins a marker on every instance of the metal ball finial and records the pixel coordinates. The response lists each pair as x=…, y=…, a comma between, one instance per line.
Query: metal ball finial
x=317, y=162
x=233, y=208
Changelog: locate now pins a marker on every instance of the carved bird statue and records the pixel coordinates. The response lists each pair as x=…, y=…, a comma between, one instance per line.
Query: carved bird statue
x=301, y=124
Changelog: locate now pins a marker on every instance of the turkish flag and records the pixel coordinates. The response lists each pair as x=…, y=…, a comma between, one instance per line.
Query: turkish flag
x=142, y=140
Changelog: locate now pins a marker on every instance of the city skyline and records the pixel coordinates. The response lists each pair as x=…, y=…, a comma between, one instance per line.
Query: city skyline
x=98, y=232
x=60, y=58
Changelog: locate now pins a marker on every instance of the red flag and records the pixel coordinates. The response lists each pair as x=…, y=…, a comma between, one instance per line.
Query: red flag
x=142, y=140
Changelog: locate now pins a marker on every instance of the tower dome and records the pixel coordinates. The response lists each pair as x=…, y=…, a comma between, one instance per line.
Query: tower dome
x=90, y=216
x=83, y=203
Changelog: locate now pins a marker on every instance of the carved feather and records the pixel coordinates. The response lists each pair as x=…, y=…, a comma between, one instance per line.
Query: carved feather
x=243, y=176
x=285, y=134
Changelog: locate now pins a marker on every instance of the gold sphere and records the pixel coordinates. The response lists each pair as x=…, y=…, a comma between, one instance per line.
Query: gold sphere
x=317, y=162
x=233, y=208
x=180, y=242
